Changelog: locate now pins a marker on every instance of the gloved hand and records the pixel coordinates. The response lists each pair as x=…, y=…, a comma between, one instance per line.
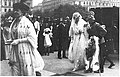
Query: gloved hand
x=15, y=42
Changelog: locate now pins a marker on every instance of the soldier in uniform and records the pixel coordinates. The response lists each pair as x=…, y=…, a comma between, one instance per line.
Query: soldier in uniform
x=97, y=31
x=108, y=47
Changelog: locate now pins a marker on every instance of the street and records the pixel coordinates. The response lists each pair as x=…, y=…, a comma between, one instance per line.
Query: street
x=63, y=67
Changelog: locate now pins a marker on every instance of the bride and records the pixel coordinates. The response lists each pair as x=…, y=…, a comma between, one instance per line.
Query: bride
x=79, y=38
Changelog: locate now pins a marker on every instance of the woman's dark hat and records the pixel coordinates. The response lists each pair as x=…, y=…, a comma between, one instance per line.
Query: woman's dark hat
x=23, y=1
x=21, y=6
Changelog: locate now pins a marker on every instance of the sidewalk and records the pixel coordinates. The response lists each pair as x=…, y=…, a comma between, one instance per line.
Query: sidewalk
x=63, y=67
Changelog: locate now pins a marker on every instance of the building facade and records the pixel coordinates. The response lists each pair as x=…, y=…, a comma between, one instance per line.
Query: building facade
x=7, y=5
x=38, y=7
x=52, y=4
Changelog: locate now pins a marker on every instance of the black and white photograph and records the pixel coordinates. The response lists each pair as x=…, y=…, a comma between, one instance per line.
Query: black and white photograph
x=59, y=37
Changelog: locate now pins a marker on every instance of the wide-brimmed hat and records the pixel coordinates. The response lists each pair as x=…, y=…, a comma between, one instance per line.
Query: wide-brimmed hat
x=46, y=29
x=21, y=6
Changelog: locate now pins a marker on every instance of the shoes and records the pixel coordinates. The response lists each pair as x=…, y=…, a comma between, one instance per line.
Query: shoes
x=99, y=71
x=59, y=58
x=65, y=57
x=88, y=71
x=38, y=73
x=74, y=69
x=47, y=54
x=111, y=65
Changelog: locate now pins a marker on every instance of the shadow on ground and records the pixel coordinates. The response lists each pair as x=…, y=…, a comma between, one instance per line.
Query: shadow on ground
x=68, y=74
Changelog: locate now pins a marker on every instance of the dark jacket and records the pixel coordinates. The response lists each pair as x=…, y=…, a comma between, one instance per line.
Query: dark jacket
x=62, y=31
x=96, y=30
x=63, y=36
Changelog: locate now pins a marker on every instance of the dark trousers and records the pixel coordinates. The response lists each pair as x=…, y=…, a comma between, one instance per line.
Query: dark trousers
x=106, y=57
x=101, y=57
x=3, y=56
x=61, y=48
x=47, y=51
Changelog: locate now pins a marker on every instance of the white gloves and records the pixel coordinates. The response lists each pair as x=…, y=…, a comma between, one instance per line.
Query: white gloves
x=15, y=42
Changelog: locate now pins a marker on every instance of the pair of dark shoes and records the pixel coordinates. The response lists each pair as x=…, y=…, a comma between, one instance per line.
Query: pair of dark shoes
x=88, y=70
x=59, y=57
x=38, y=73
x=63, y=57
x=111, y=65
x=47, y=54
x=99, y=71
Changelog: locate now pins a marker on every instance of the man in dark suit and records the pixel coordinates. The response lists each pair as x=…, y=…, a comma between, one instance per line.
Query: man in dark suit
x=62, y=39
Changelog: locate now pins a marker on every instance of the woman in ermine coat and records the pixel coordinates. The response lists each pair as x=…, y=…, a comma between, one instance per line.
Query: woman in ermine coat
x=25, y=60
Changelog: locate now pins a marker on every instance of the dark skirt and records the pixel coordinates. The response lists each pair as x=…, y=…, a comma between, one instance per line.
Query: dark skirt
x=3, y=54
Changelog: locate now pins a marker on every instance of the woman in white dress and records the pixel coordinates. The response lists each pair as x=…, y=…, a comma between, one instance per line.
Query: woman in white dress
x=79, y=38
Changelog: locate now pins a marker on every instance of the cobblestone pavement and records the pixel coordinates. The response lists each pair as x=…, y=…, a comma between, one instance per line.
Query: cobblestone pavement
x=63, y=67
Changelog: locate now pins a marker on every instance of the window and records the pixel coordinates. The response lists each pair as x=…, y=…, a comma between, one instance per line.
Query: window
x=5, y=3
x=99, y=4
x=9, y=10
x=87, y=2
x=9, y=3
x=5, y=10
x=93, y=3
x=13, y=1
x=90, y=3
x=84, y=3
x=103, y=4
